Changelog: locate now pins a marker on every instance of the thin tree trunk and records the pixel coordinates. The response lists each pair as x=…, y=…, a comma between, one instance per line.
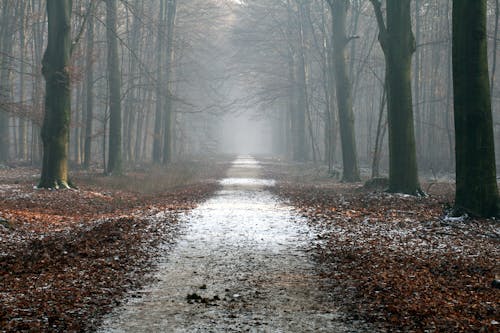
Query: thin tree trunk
x=115, y=113
x=157, y=136
x=23, y=122
x=89, y=89
x=5, y=71
x=168, y=130
x=299, y=134
x=77, y=123
x=130, y=103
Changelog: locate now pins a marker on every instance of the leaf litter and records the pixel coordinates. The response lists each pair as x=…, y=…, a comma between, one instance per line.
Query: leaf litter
x=398, y=261
x=68, y=257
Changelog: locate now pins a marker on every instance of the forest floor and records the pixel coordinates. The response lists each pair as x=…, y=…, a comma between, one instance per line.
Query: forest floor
x=68, y=257
x=358, y=258
x=395, y=260
x=241, y=264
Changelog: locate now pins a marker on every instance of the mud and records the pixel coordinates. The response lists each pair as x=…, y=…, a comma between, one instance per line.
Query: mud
x=240, y=265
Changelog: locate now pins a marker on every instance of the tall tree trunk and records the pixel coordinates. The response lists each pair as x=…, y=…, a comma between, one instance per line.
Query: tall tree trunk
x=416, y=77
x=5, y=71
x=168, y=130
x=343, y=87
x=114, y=83
x=55, y=64
x=398, y=44
x=157, y=136
x=38, y=31
x=477, y=191
x=23, y=122
x=89, y=89
x=495, y=46
x=291, y=107
x=327, y=89
x=299, y=132
x=130, y=103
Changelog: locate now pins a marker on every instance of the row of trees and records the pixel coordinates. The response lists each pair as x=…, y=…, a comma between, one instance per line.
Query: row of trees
x=336, y=72
x=313, y=66
x=128, y=67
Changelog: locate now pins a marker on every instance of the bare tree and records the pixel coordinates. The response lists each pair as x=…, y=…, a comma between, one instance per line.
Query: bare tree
x=398, y=44
x=55, y=130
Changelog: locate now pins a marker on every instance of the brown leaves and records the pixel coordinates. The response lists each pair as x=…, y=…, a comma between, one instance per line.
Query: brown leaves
x=394, y=260
x=71, y=255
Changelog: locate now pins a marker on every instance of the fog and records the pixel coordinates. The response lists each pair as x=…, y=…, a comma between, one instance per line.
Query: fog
x=245, y=135
x=225, y=76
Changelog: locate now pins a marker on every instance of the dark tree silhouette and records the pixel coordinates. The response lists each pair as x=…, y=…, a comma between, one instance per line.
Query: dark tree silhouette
x=477, y=191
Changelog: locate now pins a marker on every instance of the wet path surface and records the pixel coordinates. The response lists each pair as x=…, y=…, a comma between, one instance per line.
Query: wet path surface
x=243, y=263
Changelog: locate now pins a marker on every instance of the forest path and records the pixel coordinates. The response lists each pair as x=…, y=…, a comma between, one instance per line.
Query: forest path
x=243, y=261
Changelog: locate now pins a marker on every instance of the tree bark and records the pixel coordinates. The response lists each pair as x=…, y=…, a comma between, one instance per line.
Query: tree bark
x=157, y=137
x=5, y=71
x=299, y=115
x=168, y=130
x=23, y=122
x=55, y=63
x=89, y=89
x=477, y=191
x=398, y=45
x=130, y=103
x=343, y=88
x=114, y=83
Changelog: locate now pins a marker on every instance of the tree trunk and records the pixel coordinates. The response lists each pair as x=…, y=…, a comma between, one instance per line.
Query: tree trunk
x=38, y=31
x=114, y=83
x=398, y=44
x=23, y=122
x=477, y=191
x=168, y=130
x=55, y=64
x=299, y=133
x=379, y=137
x=495, y=46
x=77, y=124
x=416, y=78
x=89, y=89
x=5, y=89
x=343, y=88
x=157, y=142
x=327, y=90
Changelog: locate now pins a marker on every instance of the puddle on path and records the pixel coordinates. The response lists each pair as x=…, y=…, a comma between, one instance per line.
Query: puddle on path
x=243, y=253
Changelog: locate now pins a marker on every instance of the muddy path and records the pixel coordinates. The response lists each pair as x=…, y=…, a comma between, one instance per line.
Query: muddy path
x=241, y=265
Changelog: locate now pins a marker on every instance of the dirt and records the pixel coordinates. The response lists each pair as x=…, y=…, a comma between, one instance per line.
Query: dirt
x=241, y=265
